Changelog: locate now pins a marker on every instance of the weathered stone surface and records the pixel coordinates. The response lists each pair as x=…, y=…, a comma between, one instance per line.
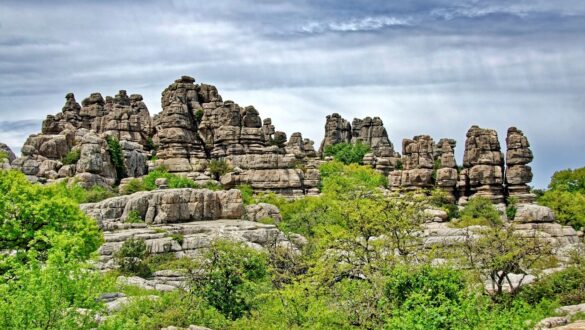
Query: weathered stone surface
x=483, y=163
x=518, y=174
x=168, y=206
x=533, y=213
x=11, y=156
x=262, y=211
x=418, y=165
x=337, y=130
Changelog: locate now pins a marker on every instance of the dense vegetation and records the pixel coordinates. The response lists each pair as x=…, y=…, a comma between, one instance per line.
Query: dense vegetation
x=347, y=153
x=360, y=268
x=566, y=197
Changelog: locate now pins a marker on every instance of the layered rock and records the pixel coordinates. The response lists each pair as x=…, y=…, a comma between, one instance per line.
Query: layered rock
x=369, y=131
x=198, y=216
x=518, y=173
x=446, y=174
x=83, y=129
x=483, y=166
x=417, y=162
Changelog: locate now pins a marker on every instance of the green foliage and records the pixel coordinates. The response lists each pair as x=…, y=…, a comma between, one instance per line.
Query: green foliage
x=72, y=157
x=247, y=194
x=347, y=153
x=134, y=217
x=80, y=194
x=478, y=211
x=568, y=207
x=443, y=200
x=566, y=286
x=33, y=221
x=132, y=258
x=179, y=238
x=569, y=180
x=511, y=208
x=198, y=115
x=175, y=308
x=47, y=296
x=337, y=178
x=566, y=197
x=147, y=183
x=116, y=156
x=218, y=167
x=150, y=144
x=214, y=186
x=3, y=156
x=231, y=277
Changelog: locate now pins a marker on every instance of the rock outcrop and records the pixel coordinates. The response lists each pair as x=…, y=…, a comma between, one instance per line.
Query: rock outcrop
x=483, y=166
x=518, y=173
x=417, y=163
x=83, y=130
x=181, y=221
x=446, y=174
x=7, y=158
x=368, y=131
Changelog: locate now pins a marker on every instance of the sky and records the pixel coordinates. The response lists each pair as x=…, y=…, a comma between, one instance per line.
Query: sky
x=431, y=67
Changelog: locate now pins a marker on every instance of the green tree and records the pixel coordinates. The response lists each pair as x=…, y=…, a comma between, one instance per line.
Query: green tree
x=219, y=167
x=33, y=221
x=230, y=277
x=347, y=153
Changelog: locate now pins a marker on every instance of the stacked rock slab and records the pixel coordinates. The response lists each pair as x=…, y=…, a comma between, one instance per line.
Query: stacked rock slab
x=198, y=216
x=518, y=173
x=446, y=167
x=196, y=126
x=84, y=129
x=369, y=131
x=417, y=162
x=483, y=166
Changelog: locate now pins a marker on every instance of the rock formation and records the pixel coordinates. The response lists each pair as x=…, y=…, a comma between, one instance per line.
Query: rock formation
x=518, y=173
x=368, y=131
x=446, y=174
x=417, y=163
x=198, y=216
x=7, y=158
x=483, y=166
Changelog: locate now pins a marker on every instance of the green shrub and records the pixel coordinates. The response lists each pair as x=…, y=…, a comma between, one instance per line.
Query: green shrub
x=133, y=186
x=232, y=276
x=134, y=217
x=34, y=220
x=48, y=295
x=218, y=168
x=566, y=286
x=79, y=194
x=150, y=145
x=177, y=181
x=247, y=194
x=72, y=157
x=132, y=258
x=179, y=238
x=198, y=115
x=347, y=153
x=478, y=211
x=568, y=207
x=3, y=156
x=443, y=200
x=511, y=208
x=337, y=178
x=117, y=157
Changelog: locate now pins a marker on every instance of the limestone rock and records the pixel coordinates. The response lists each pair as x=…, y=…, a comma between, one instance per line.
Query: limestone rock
x=260, y=211
x=483, y=163
x=8, y=151
x=518, y=173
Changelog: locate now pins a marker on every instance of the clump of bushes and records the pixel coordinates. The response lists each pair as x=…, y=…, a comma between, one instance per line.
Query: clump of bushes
x=116, y=156
x=72, y=157
x=147, y=183
x=218, y=167
x=132, y=258
x=347, y=153
x=566, y=197
x=479, y=211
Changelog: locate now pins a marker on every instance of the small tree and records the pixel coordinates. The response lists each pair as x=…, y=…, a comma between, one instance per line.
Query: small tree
x=218, y=168
x=348, y=153
x=132, y=258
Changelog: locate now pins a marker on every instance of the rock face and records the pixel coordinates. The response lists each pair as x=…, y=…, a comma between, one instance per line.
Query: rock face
x=196, y=127
x=10, y=157
x=197, y=216
x=369, y=131
x=518, y=173
x=446, y=166
x=417, y=162
x=483, y=166
x=83, y=129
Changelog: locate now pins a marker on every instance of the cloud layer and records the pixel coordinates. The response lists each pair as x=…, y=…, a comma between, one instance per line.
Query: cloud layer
x=426, y=67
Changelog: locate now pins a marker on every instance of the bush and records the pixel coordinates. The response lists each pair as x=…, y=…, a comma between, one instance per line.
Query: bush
x=478, y=211
x=80, y=194
x=48, y=296
x=566, y=286
x=247, y=194
x=198, y=115
x=147, y=183
x=218, y=168
x=72, y=157
x=34, y=220
x=132, y=258
x=117, y=157
x=347, y=153
x=133, y=186
x=568, y=207
x=337, y=178
x=3, y=156
x=232, y=276
x=134, y=217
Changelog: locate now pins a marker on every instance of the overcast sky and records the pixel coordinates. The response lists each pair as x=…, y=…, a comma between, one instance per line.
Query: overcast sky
x=425, y=67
